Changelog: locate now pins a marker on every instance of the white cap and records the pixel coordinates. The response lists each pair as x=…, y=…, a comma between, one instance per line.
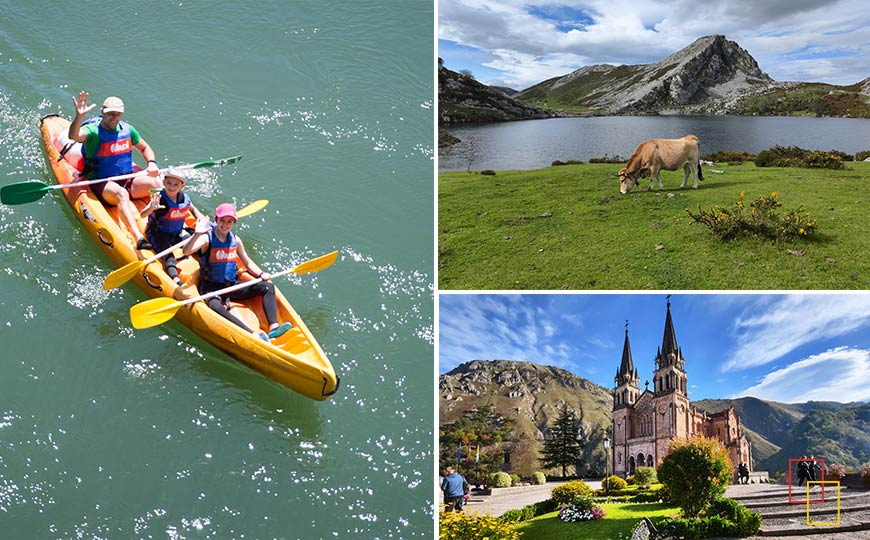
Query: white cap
x=113, y=104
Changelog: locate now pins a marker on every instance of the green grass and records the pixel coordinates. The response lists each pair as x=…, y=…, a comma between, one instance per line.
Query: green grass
x=568, y=227
x=619, y=518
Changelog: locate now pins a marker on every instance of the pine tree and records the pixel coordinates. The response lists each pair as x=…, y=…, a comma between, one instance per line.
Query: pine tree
x=563, y=448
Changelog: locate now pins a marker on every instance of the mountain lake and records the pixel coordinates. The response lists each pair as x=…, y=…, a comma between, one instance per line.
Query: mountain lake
x=534, y=144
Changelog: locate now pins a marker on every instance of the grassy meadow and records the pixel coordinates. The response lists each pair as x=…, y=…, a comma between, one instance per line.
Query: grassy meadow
x=619, y=519
x=568, y=227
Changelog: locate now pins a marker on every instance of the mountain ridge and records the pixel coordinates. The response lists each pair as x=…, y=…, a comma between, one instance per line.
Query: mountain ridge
x=531, y=393
x=711, y=76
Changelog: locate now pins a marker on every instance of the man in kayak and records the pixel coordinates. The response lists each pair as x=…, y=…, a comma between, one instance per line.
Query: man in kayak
x=219, y=249
x=107, y=147
x=166, y=212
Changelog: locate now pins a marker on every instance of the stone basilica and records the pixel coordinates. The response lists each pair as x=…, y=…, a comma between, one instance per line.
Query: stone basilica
x=644, y=422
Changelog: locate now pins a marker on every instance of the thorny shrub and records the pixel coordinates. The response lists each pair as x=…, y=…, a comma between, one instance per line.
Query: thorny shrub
x=759, y=220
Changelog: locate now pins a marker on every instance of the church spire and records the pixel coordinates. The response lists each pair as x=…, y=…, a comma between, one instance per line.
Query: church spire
x=626, y=368
x=669, y=341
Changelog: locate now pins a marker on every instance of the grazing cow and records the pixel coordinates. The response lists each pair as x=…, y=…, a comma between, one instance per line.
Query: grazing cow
x=656, y=154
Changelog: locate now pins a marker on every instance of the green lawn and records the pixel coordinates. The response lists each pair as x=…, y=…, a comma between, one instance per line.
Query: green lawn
x=619, y=518
x=568, y=227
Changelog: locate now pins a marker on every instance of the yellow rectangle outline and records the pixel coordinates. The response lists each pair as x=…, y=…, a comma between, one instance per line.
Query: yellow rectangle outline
x=817, y=523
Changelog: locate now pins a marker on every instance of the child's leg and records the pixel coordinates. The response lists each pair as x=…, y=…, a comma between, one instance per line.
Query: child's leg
x=218, y=305
x=270, y=305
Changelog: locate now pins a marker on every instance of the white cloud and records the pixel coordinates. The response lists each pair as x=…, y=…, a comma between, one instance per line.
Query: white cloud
x=529, y=47
x=838, y=374
x=775, y=328
x=499, y=327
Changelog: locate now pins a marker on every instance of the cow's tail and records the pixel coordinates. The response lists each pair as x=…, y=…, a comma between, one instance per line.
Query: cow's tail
x=700, y=175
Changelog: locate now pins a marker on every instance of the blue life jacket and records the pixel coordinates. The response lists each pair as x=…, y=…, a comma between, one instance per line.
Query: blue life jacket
x=115, y=153
x=170, y=219
x=219, y=261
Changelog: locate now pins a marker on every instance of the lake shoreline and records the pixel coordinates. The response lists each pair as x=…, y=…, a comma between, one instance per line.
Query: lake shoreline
x=536, y=144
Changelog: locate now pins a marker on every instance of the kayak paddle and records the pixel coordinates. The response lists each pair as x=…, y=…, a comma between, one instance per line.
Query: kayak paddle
x=25, y=192
x=122, y=275
x=159, y=310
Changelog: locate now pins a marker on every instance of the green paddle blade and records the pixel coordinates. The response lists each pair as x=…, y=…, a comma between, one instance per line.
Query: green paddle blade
x=153, y=312
x=216, y=162
x=23, y=192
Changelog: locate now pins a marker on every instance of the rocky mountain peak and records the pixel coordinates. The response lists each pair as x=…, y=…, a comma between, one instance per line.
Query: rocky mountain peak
x=709, y=74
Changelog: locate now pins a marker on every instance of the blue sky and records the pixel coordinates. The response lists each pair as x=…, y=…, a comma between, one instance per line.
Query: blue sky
x=518, y=43
x=789, y=348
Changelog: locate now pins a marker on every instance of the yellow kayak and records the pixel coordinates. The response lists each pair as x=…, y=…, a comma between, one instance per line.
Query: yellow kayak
x=295, y=359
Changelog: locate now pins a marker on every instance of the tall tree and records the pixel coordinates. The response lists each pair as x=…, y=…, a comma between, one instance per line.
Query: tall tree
x=563, y=448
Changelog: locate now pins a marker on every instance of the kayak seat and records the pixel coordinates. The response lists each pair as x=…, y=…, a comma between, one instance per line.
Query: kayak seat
x=291, y=336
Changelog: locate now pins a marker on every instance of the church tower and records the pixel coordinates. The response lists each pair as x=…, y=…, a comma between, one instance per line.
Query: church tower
x=625, y=395
x=626, y=391
x=645, y=422
x=673, y=415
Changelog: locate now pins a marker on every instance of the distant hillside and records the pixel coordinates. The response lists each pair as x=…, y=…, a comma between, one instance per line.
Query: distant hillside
x=461, y=99
x=712, y=76
x=510, y=92
x=531, y=393
x=840, y=436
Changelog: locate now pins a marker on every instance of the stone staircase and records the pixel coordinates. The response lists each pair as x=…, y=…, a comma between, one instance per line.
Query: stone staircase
x=779, y=518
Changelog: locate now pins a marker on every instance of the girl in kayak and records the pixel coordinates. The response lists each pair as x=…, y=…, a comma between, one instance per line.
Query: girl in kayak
x=166, y=213
x=219, y=249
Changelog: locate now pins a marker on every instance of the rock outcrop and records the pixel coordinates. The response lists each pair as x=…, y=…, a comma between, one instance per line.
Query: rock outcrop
x=709, y=76
x=461, y=99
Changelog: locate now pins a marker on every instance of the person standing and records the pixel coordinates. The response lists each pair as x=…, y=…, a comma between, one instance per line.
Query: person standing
x=803, y=471
x=453, y=485
x=107, y=148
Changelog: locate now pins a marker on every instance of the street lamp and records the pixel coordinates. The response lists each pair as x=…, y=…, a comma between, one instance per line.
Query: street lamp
x=606, y=464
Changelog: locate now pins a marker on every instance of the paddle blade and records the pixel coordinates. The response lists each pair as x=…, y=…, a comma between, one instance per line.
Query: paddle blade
x=255, y=206
x=216, y=162
x=122, y=275
x=153, y=312
x=314, y=265
x=23, y=192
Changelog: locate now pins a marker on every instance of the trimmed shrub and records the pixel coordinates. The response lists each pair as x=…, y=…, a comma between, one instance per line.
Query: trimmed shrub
x=631, y=480
x=501, y=480
x=616, y=483
x=725, y=518
x=539, y=479
x=647, y=497
x=569, y=491
x=487, y=172
x=515, y=479
x=695, y=471
x=645, y=476
x=462, y=526
x=529, y=511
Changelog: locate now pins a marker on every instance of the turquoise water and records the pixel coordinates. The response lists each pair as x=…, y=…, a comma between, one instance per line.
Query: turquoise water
x=111, y=432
